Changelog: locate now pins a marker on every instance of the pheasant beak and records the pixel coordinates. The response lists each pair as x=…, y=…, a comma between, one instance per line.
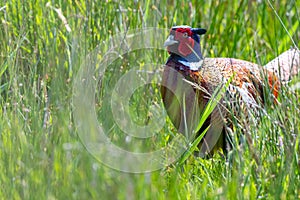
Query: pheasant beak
x=170, y=41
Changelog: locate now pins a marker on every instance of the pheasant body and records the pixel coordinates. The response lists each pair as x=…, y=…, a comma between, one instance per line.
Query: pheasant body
x=186, y=69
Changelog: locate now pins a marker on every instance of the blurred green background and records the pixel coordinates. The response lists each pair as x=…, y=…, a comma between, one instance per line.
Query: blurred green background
x=41, y=156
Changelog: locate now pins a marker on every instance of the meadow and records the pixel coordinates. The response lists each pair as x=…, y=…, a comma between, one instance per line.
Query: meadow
x=42, y=44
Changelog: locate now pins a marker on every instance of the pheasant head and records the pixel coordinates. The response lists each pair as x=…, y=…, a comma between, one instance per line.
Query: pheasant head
x=183, y=44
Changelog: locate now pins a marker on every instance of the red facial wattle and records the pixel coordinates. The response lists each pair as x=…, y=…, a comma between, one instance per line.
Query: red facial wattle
x=186, y=42
x=185, y=46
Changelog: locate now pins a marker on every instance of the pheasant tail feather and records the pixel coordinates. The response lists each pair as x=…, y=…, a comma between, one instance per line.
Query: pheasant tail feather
x=286, y=65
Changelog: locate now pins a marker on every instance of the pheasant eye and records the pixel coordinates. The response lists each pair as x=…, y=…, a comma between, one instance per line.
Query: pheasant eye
x=185, y=35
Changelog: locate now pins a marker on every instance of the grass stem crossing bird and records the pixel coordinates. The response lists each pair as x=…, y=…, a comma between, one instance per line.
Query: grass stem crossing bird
x=189, y=80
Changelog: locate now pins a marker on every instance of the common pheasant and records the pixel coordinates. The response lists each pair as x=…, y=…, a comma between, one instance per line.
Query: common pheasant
x=189, y=80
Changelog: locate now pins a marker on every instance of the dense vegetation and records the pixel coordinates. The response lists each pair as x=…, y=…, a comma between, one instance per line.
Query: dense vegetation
x=41, y=46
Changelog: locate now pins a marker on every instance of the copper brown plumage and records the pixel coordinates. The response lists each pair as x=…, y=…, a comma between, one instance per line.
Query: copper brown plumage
x=186, y=68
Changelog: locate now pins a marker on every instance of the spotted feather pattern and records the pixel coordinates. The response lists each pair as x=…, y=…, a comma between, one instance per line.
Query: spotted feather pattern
x=243, y=96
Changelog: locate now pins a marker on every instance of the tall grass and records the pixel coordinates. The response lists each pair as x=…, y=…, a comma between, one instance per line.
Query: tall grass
x=41, y=156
